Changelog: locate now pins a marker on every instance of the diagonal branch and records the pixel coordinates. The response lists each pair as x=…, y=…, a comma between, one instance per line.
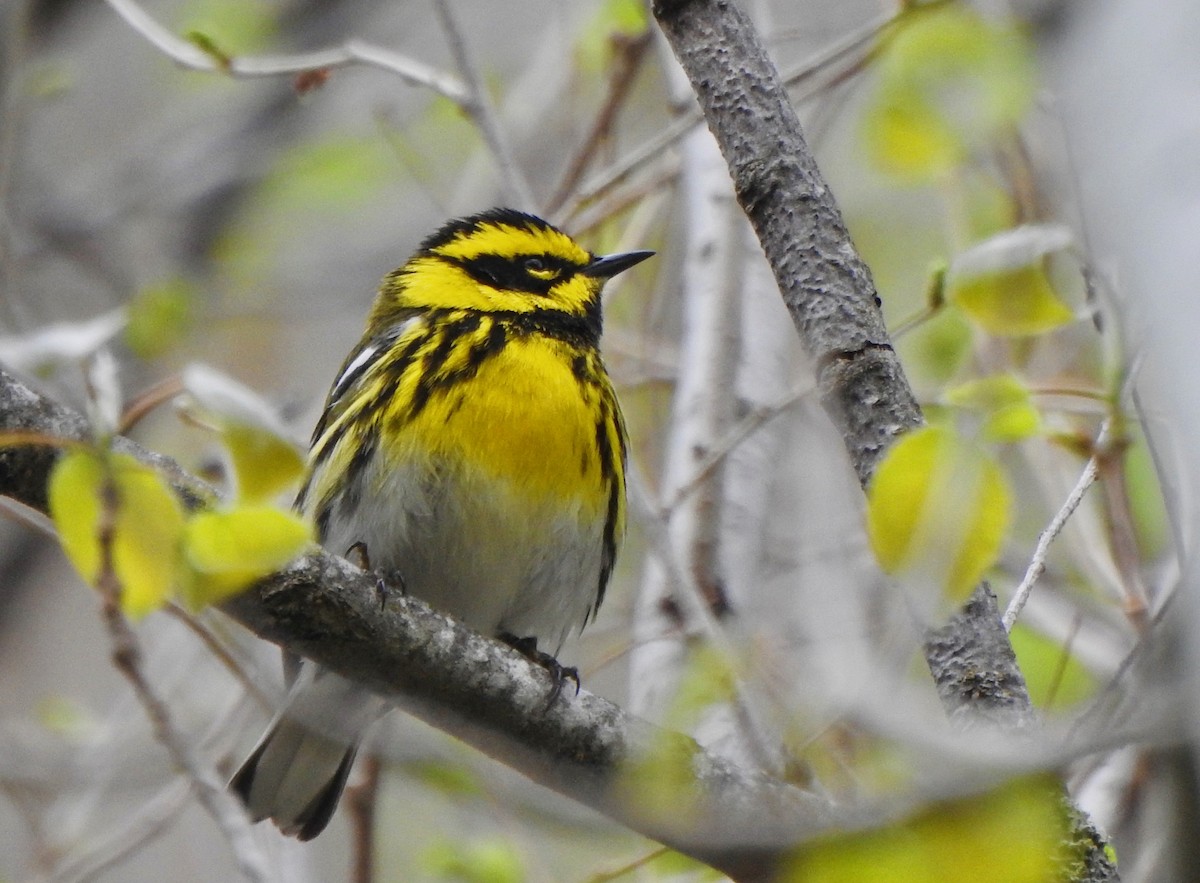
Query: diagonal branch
x=479, y=107
x=831, y=297
x=478, y=690
x=189, y=55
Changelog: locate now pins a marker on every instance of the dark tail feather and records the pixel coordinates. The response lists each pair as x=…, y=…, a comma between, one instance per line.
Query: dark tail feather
x=294, y=777
x=318, y=813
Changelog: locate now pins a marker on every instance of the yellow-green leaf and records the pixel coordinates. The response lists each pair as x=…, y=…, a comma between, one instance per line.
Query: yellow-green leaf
x=264, y=459
x=146, y=529
x=159, y=316
x=988, y=393
x=1146, y=500
x=263, y=462
x=936, y=349
x=708, y=679
x=1011, y=303
x=660, y=781
x=1012, y=834
x=483, y=860
x=229, y=550
x=1002, y=284
x=225, y=27
x=74, y=497
x=1005, y=401
x=64, y=716
x=446, y=776
x=314, y=185
x=909, y=140
x=1012, y=423
x=595, y=42
x=949, y=80
x=338, y=173
x=938, y=510
x=1053, y=675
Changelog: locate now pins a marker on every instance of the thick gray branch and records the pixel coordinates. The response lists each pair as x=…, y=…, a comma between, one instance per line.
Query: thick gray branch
x=832, y=300
x=826, y=286
x=476, y=689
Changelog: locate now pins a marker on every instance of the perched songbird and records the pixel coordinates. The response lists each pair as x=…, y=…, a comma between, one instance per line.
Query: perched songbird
x=472, y=445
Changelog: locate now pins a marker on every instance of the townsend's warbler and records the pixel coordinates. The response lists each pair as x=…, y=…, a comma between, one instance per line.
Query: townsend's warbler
x=471, y=444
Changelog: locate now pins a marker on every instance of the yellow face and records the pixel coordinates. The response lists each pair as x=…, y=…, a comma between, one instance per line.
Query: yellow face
x=502, y=261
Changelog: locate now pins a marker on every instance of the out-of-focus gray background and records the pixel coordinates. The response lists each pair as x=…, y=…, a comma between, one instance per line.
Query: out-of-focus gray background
x=276, y=210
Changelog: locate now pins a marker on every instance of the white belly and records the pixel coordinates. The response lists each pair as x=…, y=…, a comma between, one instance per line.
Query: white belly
x=467, y=545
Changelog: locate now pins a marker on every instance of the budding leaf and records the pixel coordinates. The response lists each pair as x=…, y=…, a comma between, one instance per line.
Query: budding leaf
x=147, y=524
x=1002, y=284
x=938, y=510
x=949, y=80
x=264, y=459
x=1006, y=404
x=230, y=549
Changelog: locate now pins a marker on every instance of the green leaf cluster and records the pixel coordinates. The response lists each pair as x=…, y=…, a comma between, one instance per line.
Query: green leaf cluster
x=938, y=510
x=949, y=80
x=119, y=519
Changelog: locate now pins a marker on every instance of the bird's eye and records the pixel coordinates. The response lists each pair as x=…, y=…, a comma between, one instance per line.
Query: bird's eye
x=540, y=268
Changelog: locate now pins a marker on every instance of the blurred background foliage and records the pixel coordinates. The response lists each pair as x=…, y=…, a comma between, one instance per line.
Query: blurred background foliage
x=244, y=223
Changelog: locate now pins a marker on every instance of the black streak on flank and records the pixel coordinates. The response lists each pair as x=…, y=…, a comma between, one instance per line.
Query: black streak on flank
x=489, y=346
x=322, y=521
x=363, y=454
x=603, y=445
x=609, y=555
x=579, y=367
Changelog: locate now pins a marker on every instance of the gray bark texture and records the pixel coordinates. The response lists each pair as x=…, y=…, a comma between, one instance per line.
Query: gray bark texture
x=739, y=821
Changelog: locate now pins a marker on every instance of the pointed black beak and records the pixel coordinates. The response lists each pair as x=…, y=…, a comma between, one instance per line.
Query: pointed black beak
x=610, y=265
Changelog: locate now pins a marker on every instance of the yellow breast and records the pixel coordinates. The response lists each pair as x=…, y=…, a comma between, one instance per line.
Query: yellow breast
x=525, y=419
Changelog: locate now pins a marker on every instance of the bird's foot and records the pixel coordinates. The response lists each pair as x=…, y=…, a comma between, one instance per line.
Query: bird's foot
x=559, y=673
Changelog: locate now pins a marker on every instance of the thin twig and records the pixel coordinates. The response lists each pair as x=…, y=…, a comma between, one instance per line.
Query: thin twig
x=148, y=400
x=631, y=52
x=191, y=56
x=627, y=870
x=148, y=820
x=734, y=437
x=224, y=808
x=619, y=202
x=361, y=802
x=1037, y=565
x=655, y=148
x=214, y=646
x=1122, y=535
x=479, y=108
x=622, y=200
x=836, y=50
x=1064, y=659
